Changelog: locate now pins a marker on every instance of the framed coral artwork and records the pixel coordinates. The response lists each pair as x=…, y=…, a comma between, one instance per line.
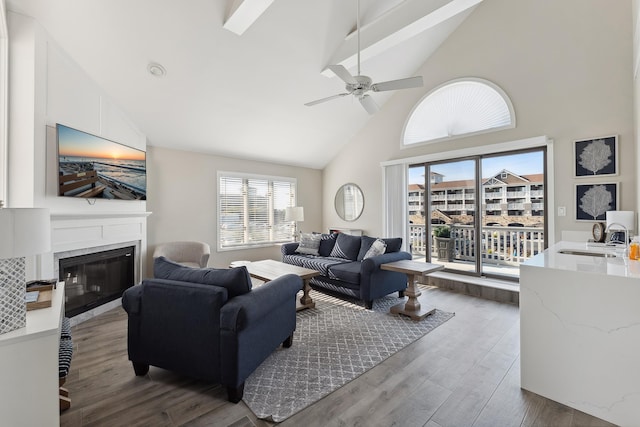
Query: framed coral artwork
x=594, y=200
x=596, y=157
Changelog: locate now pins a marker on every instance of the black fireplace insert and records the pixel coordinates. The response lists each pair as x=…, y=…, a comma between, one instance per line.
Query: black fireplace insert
x=95, y=279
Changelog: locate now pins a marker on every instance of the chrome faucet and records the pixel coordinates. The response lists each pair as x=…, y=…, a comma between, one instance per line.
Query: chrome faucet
x=626, y=235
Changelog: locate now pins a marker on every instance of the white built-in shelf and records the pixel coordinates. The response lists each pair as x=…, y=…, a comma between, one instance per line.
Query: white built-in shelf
x=29, y=368
x=40, y=322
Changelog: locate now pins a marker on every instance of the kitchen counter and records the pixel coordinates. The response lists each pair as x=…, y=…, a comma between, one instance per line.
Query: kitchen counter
x=580, y=331
x=617, y=265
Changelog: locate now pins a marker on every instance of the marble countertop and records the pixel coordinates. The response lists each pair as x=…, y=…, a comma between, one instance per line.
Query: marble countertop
x=614, y=266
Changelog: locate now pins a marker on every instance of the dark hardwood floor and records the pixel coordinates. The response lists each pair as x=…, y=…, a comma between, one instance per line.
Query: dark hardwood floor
x=464, y=373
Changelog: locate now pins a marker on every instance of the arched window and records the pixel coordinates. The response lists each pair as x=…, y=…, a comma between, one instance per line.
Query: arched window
x=458, y=108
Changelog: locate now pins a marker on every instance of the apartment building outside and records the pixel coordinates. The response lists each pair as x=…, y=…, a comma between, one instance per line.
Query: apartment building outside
x=507, y=199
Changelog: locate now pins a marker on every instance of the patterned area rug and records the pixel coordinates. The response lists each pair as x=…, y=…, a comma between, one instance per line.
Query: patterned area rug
x=334, y=343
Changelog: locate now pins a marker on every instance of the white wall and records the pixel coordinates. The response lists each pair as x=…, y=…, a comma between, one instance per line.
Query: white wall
x=566, y=65
x=182, y=196
x=48, y=87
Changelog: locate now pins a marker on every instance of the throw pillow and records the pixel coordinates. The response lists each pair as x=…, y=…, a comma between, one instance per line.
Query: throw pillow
x=327, y=242
x=235, y=280
x=309, y=244
x=347, y=247
x=377, y=248
x=365, y=246
x=393, y=244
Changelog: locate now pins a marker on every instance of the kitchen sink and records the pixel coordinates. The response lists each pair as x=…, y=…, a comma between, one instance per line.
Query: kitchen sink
x=587, y=253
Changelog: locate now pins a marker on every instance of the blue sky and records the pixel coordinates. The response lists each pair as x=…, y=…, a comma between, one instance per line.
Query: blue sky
x=521, y=164
x=72, y=142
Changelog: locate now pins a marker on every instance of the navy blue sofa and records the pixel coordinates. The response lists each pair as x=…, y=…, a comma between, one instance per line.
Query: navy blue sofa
x=345, y=270
x=207, y=323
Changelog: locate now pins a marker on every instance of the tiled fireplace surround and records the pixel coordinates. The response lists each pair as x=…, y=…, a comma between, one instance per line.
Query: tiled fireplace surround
x=86, y=233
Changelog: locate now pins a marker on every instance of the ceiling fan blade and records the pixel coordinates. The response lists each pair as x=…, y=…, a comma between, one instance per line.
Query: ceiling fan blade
x=343, y=73
x=407, y=83
x=329, y=98
x=369, y=104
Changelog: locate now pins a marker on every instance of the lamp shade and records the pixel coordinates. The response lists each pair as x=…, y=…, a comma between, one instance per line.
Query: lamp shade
x=625, y=218
x=24, y=232
x=294, y=213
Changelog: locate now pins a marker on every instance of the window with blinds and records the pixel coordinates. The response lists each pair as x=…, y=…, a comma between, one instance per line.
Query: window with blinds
x=251, y=210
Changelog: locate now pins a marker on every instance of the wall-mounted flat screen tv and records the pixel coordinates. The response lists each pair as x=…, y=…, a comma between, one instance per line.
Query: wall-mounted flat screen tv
x=93, y=167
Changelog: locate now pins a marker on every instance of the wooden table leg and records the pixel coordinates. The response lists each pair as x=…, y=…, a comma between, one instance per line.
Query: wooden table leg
x=412, y=308
x=305, y=300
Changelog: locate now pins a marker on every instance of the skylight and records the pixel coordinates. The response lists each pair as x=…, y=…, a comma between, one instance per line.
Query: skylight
x=458, y=108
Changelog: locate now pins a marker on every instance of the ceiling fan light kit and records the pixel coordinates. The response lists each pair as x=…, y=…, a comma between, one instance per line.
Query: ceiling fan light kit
x=359, y=85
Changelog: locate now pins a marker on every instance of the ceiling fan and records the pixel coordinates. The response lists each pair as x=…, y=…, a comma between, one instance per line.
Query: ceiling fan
x=359, y=85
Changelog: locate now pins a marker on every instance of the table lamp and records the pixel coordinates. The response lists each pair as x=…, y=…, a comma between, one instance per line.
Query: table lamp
x=296, y=214
x=23, y=232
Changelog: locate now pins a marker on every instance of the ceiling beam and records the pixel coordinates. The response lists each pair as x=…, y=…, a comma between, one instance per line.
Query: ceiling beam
x=403, y=22
x=243, y=13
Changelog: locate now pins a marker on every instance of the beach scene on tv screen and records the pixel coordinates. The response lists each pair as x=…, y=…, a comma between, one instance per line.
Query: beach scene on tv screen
x=94, y=167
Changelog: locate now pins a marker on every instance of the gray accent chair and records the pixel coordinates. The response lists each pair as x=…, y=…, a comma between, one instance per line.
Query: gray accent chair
x=191, y=254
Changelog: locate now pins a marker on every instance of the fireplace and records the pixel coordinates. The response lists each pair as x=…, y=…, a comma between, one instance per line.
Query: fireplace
x=96, y=278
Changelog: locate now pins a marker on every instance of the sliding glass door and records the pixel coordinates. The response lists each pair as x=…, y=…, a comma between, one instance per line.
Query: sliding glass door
x=453, y=216
x=482, y=215
x=513, y=211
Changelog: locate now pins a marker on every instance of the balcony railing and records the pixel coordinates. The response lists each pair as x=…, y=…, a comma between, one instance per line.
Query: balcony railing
x=499, y=245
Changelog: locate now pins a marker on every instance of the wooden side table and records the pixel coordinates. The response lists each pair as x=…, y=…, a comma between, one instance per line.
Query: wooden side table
x=413, y=307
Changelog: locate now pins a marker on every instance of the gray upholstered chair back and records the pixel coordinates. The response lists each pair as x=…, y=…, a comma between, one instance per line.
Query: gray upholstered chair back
x=192, y=254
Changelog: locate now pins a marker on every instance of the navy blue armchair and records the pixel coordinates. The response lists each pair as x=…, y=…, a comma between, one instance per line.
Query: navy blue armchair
x=199, y=330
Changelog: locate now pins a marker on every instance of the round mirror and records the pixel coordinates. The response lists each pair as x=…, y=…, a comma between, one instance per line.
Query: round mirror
x=349, y=202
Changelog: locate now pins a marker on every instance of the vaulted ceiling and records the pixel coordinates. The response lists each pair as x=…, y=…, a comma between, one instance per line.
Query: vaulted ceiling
x=243, y=95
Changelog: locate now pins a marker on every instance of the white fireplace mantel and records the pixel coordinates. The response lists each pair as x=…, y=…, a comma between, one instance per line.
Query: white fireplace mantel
x=79, y=231
x=60, y=216
x=72, y=231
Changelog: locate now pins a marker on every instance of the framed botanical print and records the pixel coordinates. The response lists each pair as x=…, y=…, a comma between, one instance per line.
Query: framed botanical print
x=594, y=200
x=596, y=157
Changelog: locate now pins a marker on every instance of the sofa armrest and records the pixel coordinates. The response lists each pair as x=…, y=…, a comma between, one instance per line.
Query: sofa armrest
x=289, y=248
x=374, y=263
x=131, y=299
x=375, y=282
x=243, y=310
